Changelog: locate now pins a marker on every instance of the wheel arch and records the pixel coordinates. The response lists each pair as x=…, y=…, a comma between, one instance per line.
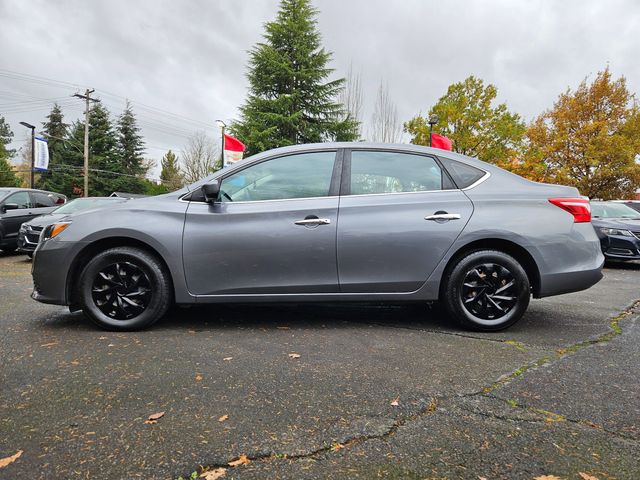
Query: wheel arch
x=101, y=245
x=518, y=252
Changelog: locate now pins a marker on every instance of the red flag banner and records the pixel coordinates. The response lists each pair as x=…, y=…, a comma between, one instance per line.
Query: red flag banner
x=233, y=149
x=440, y=141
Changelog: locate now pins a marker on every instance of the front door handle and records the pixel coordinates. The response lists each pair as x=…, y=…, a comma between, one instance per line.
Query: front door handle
x=313, y=221
x=443, y=216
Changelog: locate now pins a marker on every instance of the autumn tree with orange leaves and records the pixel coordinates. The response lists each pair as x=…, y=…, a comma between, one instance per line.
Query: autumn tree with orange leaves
x=590, y=139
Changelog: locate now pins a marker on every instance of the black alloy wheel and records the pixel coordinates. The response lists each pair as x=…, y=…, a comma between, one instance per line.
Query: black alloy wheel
x=121, y=290
x=124, y=288
x=489, y=291
x=486, y=290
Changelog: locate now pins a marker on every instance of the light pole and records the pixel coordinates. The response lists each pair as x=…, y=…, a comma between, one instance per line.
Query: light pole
x=433, y=119
x=222, y=126
x=33, y=150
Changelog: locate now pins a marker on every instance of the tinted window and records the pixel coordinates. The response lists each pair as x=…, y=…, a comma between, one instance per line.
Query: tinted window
x=464, y=175
x=393, y=172
x=20, y=198
x=612, y=210
x=294, y=176
x=41, y=199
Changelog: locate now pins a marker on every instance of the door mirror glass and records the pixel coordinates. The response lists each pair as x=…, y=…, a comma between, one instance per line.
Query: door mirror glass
x=211, y=191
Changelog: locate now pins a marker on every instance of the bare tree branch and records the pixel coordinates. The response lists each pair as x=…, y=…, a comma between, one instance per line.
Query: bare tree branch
x=352, y=97
x=385, y=126
x=200, y=157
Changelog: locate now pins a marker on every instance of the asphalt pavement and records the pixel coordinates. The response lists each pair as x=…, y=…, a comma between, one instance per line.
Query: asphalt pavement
x=323, y=391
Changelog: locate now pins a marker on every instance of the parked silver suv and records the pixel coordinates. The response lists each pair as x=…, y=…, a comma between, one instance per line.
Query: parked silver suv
x=328, y=222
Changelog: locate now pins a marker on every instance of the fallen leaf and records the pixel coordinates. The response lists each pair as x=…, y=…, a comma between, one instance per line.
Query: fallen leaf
x=214, y=474
x=6, y=461
x=223, y=418
x=153, y=418
x=396, y=402
x=75, y=362
x=294, y=355
x=547, y=477
x=242, y=460
x=586, y=476
x=198, y=377
x=226, y=359
x=49, y=344
x=337, y=446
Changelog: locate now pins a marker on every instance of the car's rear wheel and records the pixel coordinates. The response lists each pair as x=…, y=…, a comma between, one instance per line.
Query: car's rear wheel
x=124, y=288
x=486, y=290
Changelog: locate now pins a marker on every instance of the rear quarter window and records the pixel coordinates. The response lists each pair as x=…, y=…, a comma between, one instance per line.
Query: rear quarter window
x=463, y=175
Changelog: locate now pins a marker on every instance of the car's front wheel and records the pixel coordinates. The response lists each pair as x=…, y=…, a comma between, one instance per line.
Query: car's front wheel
x=486, y=290
x=124, y=288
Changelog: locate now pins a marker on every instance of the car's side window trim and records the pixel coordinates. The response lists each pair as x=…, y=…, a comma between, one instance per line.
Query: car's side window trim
x=345, y=186
x=333, y=185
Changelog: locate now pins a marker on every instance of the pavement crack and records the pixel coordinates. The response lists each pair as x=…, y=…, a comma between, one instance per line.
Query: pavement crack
x=549, y=417
x=614, y=331
x=428, y=409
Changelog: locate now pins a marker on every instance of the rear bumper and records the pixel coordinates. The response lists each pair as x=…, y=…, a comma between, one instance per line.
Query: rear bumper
x=568, y=282
x=574, y=265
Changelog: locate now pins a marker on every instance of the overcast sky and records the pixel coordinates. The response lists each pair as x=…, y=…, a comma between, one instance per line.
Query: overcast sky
x=183, y=63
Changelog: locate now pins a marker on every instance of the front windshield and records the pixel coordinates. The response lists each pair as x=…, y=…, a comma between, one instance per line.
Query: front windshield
x=86, y=204
x=612, y=210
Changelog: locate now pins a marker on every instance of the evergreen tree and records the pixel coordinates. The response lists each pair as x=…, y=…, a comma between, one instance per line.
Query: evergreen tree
x=58, y=178
x=171, y=175
x=106, y=163
x=130, y=143
x=290, y=98
x=8, y=177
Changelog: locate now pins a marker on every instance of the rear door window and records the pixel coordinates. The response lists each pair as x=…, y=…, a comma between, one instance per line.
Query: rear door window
x=375, y=172
x=43, y=200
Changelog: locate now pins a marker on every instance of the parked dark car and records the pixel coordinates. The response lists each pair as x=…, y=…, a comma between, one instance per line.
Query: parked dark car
x=328, y=222
x=29, y=234
x=19, y=205
x=618, y=227
x=635, y=204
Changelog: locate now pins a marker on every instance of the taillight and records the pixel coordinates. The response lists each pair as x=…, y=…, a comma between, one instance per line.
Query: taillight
x=578, y=207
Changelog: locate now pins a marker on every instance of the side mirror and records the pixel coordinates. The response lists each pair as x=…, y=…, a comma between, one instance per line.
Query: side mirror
x=211, y=191
x=9, y=206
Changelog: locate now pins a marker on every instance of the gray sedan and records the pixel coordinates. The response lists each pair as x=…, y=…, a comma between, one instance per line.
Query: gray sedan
x=328, y=222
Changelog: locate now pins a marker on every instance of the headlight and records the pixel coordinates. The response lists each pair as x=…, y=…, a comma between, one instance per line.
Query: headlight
x=53, y=230
x=23, y=227
x=616, y=231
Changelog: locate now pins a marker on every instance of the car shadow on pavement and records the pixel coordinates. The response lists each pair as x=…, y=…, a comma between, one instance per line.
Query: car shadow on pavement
x=632, y=265
x=289, y=316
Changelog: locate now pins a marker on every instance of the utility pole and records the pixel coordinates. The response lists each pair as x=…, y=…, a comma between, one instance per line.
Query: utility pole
x=33, y=150
x=88, y=99
x=222, y=126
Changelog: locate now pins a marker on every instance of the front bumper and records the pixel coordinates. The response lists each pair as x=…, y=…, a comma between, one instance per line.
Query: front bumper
x=28, y=240
x=619, y=247
x=50, y=269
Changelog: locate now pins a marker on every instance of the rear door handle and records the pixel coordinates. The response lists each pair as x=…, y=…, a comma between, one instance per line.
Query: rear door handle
x=443, y=216
x=313, y=221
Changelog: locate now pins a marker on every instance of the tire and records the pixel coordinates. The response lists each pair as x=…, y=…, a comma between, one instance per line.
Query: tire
x=125, y=288
x=474, y=292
